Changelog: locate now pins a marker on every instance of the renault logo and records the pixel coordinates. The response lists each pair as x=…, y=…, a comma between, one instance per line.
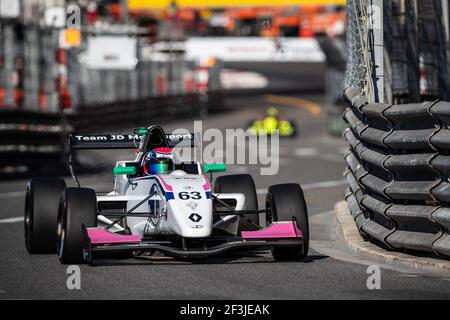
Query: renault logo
x=195, y=217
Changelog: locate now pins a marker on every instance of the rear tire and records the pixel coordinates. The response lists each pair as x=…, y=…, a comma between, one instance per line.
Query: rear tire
x=286, y=202
x=41, y=214
x=241, y=183
x=77, y=206
x=294, y=126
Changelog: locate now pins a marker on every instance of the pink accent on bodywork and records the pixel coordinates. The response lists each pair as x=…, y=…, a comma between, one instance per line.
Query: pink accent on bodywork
x=207, y=185
x=276, y=230
x=102, y=236
x=166, y=186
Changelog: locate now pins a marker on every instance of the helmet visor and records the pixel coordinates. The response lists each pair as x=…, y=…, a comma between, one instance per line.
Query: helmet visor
x=159, y=168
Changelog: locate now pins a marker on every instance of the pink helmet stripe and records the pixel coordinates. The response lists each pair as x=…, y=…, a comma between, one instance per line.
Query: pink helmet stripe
x=166, y=186
x=163, y=150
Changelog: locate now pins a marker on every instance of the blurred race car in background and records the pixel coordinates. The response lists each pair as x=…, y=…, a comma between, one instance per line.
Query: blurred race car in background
x=270, y=123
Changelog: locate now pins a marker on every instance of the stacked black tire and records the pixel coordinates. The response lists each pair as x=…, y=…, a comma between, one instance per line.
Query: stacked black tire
x=399, y=172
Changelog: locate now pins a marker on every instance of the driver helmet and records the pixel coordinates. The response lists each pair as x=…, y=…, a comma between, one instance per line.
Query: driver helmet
x=159, y=161
x=272, y=112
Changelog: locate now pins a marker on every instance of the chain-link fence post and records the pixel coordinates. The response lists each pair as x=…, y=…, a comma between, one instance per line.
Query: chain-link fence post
x=377, y=35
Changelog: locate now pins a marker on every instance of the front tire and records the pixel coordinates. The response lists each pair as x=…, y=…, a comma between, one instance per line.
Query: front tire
x=77, y=206
x=286, y=202
x=41, y=214
x=241, y=183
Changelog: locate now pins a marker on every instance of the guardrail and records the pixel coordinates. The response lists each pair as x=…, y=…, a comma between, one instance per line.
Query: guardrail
x=31, y=140
x=35, y=143
x=143, y=112
x=398, y=170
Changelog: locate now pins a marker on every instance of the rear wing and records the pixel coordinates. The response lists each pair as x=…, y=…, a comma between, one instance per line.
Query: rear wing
x=125, y=141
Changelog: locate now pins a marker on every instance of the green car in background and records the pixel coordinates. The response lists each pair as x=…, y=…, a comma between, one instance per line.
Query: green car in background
x=271, y=123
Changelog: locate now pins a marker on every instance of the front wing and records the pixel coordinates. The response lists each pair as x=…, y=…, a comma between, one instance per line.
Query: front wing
x=100, y=242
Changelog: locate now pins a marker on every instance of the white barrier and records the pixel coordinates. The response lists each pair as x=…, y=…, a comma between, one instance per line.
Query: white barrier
x=233, y=79
x=255, y=49
x=111, y=52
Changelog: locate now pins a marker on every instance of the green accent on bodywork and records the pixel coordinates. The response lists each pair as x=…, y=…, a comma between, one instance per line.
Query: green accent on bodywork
x=142, y=131
x=286, y=128
x=124, y=171
x=207, y=168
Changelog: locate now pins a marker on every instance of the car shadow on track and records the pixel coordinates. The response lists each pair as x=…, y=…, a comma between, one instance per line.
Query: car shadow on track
x=235, y=258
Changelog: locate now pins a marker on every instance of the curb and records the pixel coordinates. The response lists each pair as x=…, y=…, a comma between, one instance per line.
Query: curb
x=355, y=242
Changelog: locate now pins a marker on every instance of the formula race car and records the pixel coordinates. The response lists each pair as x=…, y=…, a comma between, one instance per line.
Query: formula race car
x=270, y=123
x=159, y=203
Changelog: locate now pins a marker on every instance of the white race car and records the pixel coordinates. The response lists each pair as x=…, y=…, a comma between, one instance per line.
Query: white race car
x=175, y=212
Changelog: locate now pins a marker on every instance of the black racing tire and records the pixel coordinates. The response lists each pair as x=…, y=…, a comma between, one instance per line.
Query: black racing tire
x=41, y=214
x=77, y=206
x=286, y=202
x=250, y=123
x=295, y=127
x=241, y=183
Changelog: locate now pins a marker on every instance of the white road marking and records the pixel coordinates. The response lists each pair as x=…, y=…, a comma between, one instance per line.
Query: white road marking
x=11, y=220
x=306, y=152
x=313, y=186
x=14, y=194
x=333, y=158
x=314, y=152
x=324, y=184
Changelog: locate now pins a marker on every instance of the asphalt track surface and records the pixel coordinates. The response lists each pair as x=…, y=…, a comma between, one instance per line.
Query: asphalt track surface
x=331, y=272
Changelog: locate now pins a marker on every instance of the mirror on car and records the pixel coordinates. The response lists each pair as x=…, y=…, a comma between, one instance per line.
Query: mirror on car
x=131, y=171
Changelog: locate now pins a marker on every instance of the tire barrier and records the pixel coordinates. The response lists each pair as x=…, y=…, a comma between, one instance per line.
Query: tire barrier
x=32, y=141
x=398, y=171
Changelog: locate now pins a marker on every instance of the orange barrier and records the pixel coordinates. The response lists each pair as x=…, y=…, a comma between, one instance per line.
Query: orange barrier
x=161, y=85
x=2, y=98
x=61, y=82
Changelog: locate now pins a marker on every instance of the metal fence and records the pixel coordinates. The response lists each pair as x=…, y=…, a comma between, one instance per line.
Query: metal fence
x=45, y=87
x=37, y=72
x=413, y=64
x=399, y=172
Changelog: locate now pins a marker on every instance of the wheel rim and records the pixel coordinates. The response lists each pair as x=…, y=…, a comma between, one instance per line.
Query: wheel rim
x=269, y=213
x=61, y=231
x=28, y=220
